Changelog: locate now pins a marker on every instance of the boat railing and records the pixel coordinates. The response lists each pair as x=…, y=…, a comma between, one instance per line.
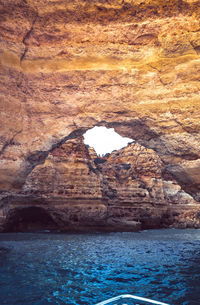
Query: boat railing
x=128, y=299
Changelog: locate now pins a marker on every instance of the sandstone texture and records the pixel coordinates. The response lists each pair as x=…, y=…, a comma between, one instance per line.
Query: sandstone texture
x=67, y=66
x=75, y=190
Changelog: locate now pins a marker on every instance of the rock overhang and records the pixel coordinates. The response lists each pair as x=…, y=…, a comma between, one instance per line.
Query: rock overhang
x=68, y=66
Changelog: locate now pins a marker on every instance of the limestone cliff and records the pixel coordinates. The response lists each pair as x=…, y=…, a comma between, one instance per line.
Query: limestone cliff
x=67, y=66
x=75, y=190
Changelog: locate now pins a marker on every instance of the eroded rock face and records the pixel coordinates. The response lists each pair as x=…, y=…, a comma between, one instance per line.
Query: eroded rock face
x=76, y=190
x=67, y=66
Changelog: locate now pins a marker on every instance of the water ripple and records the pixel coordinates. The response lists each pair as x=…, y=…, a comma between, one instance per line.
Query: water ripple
x=82, y=269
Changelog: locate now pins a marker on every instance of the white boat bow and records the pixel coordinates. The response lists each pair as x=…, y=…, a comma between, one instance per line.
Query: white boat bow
x=126, y=299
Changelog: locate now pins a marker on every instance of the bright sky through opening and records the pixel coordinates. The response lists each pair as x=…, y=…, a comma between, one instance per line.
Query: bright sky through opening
x=104, y=140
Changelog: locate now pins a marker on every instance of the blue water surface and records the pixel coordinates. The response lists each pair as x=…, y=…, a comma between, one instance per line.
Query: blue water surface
x=83, y=269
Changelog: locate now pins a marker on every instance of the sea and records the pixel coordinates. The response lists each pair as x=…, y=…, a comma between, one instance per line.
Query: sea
x=46, y=268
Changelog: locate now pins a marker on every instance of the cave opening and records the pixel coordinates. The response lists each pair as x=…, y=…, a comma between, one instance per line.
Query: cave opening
x=105, y=140
x=29, y=219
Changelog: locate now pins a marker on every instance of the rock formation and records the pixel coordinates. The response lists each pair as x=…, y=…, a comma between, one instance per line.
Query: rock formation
x=75, y=190
x=67, y=66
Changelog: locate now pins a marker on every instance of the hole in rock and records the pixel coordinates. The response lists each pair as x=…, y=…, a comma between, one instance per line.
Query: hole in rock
x=29, y=219
x=105, y=140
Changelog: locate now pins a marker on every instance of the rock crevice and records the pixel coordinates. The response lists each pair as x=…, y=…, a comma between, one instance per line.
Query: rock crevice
x=26, y=37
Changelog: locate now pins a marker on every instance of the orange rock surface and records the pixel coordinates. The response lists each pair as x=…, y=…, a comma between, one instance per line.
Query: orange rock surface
x=67, y=66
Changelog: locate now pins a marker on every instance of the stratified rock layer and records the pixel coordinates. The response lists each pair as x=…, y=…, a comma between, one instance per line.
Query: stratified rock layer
x=78, y=191
x=67, y=66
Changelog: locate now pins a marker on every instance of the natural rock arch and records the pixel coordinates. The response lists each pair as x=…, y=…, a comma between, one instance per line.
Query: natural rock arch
x=71, y=65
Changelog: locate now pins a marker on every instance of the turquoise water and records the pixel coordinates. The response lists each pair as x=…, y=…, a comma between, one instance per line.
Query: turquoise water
x=83, y=269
